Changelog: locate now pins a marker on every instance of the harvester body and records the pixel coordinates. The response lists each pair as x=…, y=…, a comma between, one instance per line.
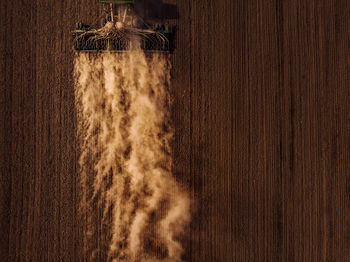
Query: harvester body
x=121, y=29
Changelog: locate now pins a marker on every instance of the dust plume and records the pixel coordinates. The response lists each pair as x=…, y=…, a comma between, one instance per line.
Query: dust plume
x=125, y=131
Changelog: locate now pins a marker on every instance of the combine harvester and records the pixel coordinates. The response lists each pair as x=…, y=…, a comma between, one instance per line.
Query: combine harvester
x=121, y=28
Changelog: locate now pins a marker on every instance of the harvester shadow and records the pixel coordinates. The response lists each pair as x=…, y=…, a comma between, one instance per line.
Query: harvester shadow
x=156, y=10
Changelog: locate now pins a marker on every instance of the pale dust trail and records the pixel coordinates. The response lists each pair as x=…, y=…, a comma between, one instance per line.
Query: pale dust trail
x=123, y=106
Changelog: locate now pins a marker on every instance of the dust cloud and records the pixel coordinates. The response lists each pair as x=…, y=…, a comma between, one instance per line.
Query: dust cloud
x=125, y=130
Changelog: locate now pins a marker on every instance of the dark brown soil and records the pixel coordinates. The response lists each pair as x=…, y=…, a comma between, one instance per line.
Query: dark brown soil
x=261, y=111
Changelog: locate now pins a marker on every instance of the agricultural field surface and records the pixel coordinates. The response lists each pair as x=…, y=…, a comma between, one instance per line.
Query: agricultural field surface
x=261, y=112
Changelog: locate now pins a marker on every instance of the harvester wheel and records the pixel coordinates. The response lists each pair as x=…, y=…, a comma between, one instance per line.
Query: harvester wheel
x=79, y=26
x=103, y=22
